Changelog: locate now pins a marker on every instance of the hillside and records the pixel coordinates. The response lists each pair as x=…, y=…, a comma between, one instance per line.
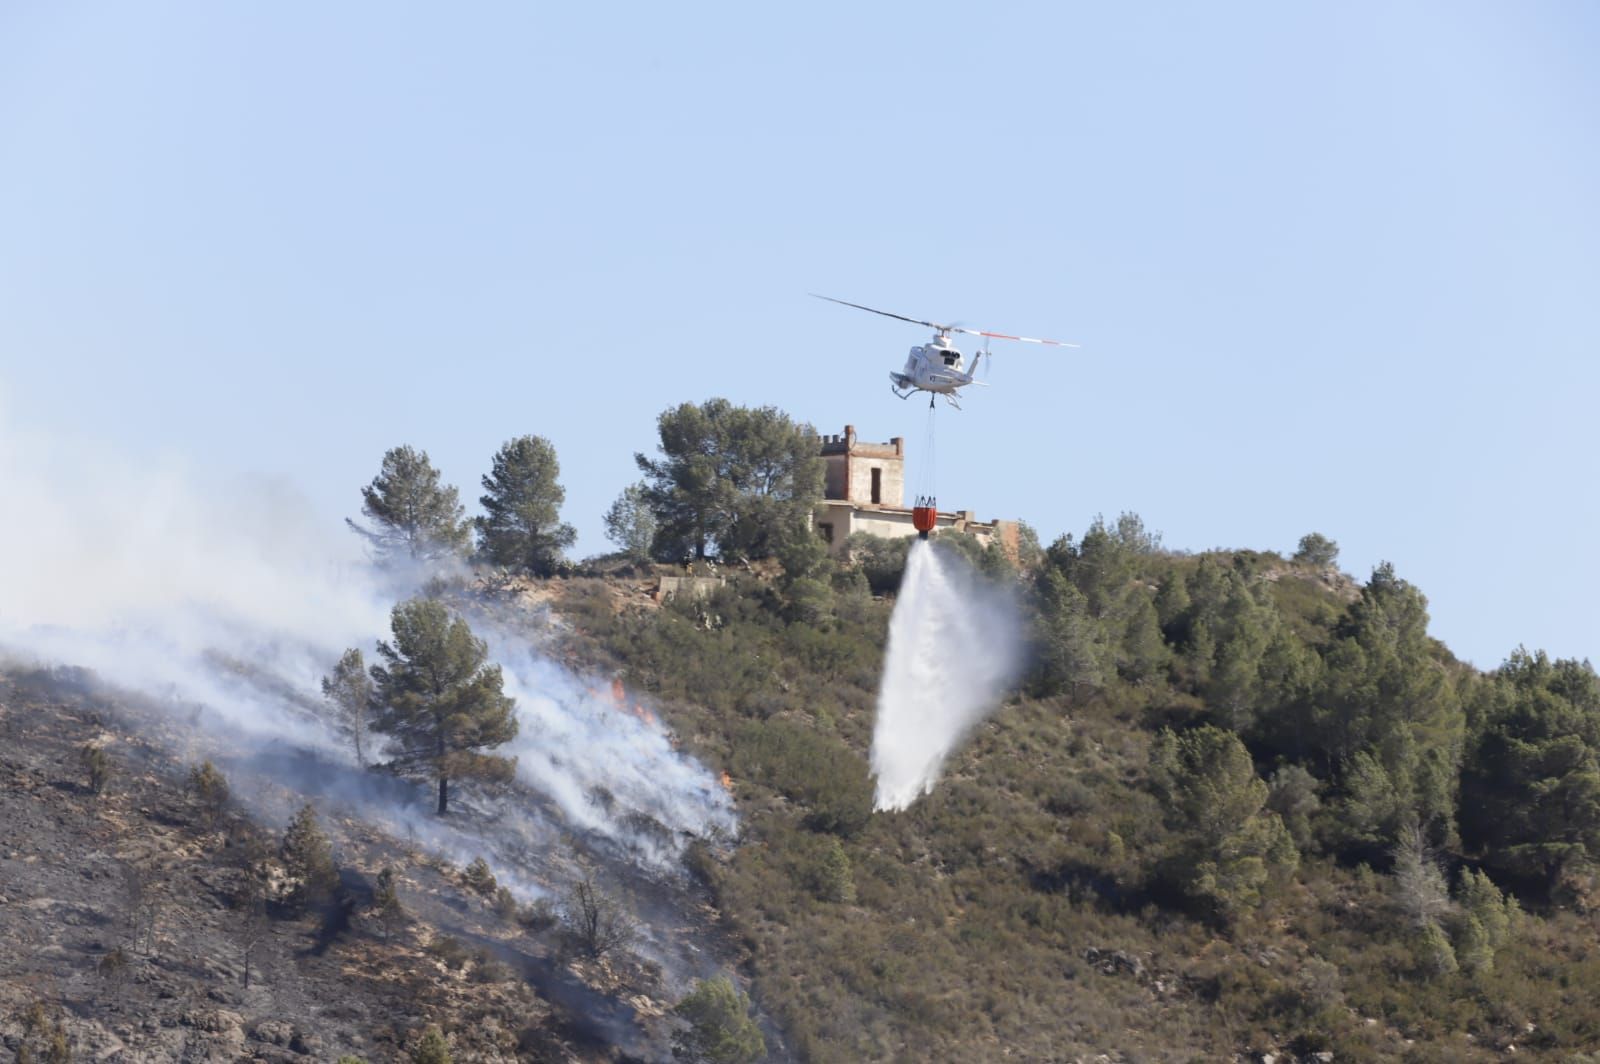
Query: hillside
x=131, y=933
x=1065, y=892
x=1240, y=807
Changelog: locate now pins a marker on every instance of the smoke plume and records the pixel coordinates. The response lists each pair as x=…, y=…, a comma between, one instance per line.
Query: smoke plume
x=227, y=601
x=954, y=649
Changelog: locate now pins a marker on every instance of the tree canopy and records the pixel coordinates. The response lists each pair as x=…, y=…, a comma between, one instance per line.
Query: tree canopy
x=439, y=699
x=1317, y=550
x=412, y=514
x=521, y=525
x=1530, y=790
x=1228, y=845
x=348, y=691
x=719, y=1028
x=631, y=524
x=734, y=481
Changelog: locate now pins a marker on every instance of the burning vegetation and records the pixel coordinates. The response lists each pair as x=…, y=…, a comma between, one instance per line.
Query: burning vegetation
x=1238, y=804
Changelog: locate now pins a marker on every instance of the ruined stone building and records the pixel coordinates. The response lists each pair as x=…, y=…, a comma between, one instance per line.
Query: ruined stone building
x=865, y=492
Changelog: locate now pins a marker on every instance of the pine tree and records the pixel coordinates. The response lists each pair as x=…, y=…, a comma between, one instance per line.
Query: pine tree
x=521, y=526
x=439, y=699
x=1485, y=921
x=1317, y=551
x=833, y=878
x=1530, y=788
x=1227, y=845
x=348, y=690
x=631, y=524
x=720, y=1028
x=412, y=514
x=732, y=480
x=209, y=789
x=308, y=858
x=1072, y=654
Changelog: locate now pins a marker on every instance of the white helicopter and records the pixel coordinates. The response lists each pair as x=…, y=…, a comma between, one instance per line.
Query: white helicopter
x=937, y=366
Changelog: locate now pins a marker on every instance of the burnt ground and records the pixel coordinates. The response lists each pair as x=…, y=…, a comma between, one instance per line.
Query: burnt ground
x=326, y=981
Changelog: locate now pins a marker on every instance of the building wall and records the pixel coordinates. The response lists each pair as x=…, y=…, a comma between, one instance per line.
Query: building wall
x=849, y=508
x=849, y=465
x=840, y=520
x=892, y=480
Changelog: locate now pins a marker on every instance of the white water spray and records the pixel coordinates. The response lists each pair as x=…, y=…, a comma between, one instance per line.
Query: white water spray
x=954, y=648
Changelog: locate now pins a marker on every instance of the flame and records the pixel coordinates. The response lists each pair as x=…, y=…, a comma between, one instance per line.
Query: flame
x=619, y=698
x=727, y=783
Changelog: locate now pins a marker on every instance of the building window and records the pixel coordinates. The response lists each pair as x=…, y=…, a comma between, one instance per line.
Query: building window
x=877, y=484
x=827, y=531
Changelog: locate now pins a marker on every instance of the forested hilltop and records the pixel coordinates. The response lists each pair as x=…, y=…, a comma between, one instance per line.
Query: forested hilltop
x=1242, y=804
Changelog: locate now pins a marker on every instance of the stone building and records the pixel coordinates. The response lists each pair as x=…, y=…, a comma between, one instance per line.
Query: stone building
x=864, y=491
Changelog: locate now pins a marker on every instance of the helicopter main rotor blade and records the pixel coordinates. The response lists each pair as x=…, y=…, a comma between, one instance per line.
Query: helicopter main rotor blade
x=885, y=313
x=1008, y=336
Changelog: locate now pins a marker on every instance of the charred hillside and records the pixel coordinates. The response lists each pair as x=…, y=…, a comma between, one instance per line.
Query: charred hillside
x=153, y=908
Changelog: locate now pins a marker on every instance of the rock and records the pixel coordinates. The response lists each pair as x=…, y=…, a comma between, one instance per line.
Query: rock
x=214, y=1021
x=273, y=1032
x=1112, y=961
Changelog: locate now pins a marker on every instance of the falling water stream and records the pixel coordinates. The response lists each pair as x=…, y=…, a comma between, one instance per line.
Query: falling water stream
x=954, y=649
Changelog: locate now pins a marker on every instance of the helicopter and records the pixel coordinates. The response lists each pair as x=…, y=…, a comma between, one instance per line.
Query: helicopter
x=937, y=366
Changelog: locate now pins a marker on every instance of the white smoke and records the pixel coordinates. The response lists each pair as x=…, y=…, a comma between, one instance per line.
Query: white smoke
x=236, y=597
x=954, y=648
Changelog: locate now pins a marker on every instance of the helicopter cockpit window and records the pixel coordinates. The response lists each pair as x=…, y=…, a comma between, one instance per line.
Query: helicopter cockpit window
x=950, y=358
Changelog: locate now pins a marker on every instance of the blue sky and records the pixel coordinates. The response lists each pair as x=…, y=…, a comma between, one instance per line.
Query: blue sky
x=1332, y=268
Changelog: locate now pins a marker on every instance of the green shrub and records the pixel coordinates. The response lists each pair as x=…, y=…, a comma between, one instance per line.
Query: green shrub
x=479, y=878
x=308, y=859
x=832, y=879
x=882, y=561
x=208, y=789
x=451, y=952
x=431, y=1048
x=822, y=774
x=538, y=915
x=386, y=907
x=96, y=765
x=719, y=1027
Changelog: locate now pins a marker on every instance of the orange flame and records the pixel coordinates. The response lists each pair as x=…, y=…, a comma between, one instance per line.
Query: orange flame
x=727, y=783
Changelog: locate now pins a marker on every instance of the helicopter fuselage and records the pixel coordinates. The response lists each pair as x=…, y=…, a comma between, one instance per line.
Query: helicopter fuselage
x=937, y=366
x=933, y=367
